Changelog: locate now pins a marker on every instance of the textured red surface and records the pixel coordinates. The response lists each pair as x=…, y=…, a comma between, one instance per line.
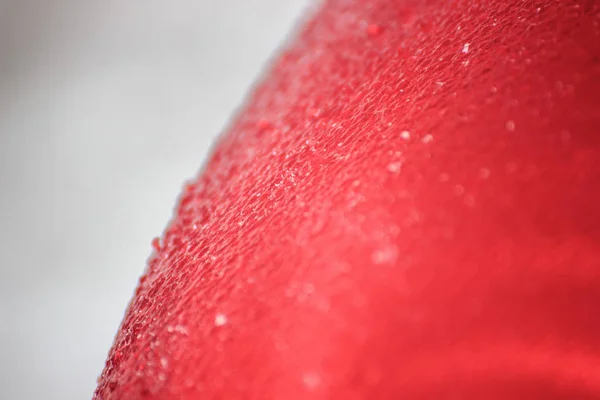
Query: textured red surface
x=407, y=207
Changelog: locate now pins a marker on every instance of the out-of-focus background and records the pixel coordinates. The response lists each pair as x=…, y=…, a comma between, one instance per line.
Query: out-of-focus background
x=106, y=108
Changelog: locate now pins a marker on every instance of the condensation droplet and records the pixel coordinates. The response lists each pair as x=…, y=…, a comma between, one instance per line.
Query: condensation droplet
x=220, y=319
x=427, y=138
x=459, y=190
x=177, y=328
x=313, y=112
x=164, y=362
x=311, y=380
x=465, y=48
x=510, y=125
x=484, y=173
x=395, y=167
x=469, y=200
x=405, y=135
x=444, y=177
x=385, y=255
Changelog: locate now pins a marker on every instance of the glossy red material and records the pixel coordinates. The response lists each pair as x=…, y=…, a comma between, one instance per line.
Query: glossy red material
x=408, y=207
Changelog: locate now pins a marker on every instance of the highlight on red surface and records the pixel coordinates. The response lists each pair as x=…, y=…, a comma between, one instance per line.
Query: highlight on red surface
x=406, y=207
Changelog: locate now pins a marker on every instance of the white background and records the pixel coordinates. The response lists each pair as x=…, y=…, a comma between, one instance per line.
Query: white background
x=106, y=108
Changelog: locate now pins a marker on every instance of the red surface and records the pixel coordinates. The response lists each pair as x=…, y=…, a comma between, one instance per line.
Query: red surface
x=407, y=208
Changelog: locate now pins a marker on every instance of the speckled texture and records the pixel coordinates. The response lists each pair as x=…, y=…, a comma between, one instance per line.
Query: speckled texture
x=407, y=207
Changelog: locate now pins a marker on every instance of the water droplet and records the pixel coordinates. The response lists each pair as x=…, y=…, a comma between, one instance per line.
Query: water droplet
x=374, y=30
x=469, y=200
x=465, y=48
x=427, y=138
x=484, y=173
x=164, y=362
x=405, y=135
x=459, y=190
x=385, y=255
x=156, y=244
x=311, y=380
x=177, y=328
x=444, y=177
x=394, y=167
x=220, y=319
x=510, y=125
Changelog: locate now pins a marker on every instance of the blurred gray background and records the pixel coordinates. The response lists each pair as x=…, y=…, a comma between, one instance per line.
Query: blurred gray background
x=106, y=108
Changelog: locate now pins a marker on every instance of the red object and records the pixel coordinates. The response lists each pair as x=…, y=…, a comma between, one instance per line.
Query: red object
x=408, y=207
